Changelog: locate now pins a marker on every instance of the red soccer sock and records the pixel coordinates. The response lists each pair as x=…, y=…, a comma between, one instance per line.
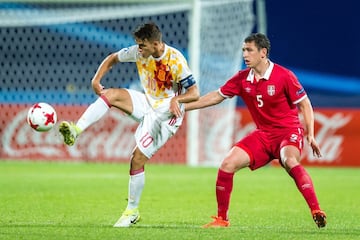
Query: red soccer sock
x=304, y=184
x=224, y=185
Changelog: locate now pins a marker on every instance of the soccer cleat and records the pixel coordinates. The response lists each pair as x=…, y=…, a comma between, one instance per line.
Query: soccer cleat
x=69, y=131
x=128, y=218
x=319, y=218
x=217, y=223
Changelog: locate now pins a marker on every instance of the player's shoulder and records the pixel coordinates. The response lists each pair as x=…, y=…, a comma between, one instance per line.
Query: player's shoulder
x=174, y=55
x=243, y=73
x=282, y=70
x=173, y=50
x=239, y=77
x=129, y=48
x=133, y=49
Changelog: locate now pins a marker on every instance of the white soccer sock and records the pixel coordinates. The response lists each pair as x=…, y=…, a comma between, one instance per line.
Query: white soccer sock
x=92, y=114
x=136, y=186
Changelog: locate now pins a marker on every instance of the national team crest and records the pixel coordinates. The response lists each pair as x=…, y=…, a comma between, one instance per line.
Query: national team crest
x=271, y=90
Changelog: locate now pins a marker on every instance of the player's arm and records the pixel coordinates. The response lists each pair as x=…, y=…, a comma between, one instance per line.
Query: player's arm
x=192, y=94
x=210, y=99
x=308, y=115
x=103, y=68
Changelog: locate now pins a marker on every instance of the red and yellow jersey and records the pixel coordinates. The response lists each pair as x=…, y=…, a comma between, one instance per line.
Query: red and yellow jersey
x=160, y=77
x=271, y=100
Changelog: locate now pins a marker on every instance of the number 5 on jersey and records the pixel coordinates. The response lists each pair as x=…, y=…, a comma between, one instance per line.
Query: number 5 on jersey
x=259, y=100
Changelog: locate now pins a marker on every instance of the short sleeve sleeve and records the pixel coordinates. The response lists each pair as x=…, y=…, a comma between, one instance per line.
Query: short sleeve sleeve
x=232, y=87
x=295, y=90
x=129, y=54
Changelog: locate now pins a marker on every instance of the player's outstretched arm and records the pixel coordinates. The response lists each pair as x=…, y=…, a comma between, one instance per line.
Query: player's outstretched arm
x=210, y=99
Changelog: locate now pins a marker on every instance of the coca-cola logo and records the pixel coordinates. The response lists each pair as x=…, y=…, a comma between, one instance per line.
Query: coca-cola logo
x=20, y=140
x=329, y=141
x=111, y=137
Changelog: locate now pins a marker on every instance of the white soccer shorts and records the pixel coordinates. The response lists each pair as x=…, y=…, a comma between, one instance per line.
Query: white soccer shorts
x=155, y=127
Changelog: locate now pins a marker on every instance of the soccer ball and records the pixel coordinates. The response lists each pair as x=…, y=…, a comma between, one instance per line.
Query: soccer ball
x=41, y=117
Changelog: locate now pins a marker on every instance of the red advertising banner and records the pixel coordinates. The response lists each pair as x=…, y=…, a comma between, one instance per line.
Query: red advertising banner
x=337, y=132
x=111, y=139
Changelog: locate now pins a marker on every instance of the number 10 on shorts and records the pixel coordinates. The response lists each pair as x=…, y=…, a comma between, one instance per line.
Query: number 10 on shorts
x=146, y=140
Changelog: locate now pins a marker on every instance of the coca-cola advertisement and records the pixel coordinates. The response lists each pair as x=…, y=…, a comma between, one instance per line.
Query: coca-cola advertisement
x=111, y=138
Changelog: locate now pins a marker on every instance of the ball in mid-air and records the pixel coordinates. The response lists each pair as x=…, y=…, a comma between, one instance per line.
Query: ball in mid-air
x=41, y=117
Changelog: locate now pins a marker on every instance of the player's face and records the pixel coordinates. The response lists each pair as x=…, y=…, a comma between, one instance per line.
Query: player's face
x=252, y=56
x=146, y=48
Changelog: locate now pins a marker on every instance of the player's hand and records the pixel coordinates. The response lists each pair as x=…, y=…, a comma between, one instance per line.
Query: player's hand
x=315, y=147
x=175, y=108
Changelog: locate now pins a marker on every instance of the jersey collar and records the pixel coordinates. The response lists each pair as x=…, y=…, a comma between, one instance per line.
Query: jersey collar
x=266, y=76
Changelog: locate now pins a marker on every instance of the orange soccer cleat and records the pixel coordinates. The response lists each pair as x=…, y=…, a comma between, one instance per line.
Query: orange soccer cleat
x=319, y=218
x=217, y=223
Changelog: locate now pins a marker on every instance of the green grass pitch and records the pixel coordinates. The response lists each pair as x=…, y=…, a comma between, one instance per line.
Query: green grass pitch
x=51, y=200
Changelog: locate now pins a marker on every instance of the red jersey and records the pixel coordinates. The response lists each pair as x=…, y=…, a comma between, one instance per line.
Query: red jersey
x=271, y=100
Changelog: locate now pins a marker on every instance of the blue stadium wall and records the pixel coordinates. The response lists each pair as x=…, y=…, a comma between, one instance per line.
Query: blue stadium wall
x=319, y=41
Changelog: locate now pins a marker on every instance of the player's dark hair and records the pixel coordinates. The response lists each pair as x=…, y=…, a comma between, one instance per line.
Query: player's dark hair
x=261, y=41
x=149, y=31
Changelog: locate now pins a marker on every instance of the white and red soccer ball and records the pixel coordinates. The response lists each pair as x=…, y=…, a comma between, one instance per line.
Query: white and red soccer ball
x=41, y=117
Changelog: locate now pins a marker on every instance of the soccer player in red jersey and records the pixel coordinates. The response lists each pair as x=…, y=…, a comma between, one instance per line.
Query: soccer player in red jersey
x=273, y=96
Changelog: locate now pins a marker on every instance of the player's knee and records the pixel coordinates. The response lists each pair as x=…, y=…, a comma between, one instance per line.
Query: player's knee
x=289, y=162
x=229, y=165
x=136, y=164
x=110, y=95
x=138, y=160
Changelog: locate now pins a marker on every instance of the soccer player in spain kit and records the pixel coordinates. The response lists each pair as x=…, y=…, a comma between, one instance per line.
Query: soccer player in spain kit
x=167, y=83
x=273, y=96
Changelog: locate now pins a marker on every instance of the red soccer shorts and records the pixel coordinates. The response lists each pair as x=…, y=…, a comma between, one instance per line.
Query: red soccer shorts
x=263, y=147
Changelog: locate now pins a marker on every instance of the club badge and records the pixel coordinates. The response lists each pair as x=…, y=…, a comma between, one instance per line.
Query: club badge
x=271, y=90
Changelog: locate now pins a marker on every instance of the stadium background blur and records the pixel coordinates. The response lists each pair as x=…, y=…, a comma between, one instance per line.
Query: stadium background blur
x=316, y=40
